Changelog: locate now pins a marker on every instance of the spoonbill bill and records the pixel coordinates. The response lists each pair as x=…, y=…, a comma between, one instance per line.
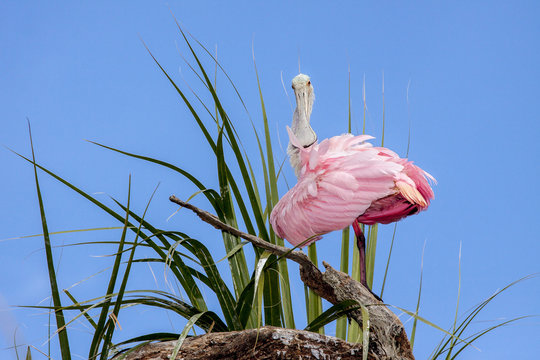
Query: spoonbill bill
x=343, y=180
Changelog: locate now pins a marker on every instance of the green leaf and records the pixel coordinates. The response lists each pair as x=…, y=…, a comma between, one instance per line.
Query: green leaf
x=60, y=322
x=388, y=260
x=159, y=336
x=485, y=331
x=259, y=284
x=116, y=310
x=272, y=199
x=371, y=250
x=333, y=313
x=341, y=324
x=450, y=343
x=210, y=194
x=233, y=251
x=195, y=296
x=245, y=303
x=88, y=317
x=177, y=266
x=237, y=262
x=184, y=334
x=413, y=331
x=101, y=327
x=365, y=332
x=427, y=322
x=315, y=302
x=225, y=298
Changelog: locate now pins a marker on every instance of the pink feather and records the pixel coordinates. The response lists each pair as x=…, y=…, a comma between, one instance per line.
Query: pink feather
x=342, y=179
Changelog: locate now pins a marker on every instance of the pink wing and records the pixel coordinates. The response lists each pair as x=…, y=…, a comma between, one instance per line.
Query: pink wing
x=339, y=180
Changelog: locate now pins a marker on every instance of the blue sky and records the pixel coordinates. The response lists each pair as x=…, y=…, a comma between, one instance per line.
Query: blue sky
x=79, y=71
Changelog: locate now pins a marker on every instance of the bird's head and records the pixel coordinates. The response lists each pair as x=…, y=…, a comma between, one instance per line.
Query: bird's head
x=303, y=91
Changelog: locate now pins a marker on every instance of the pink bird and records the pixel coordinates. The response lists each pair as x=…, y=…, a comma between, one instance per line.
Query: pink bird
x=342, y=181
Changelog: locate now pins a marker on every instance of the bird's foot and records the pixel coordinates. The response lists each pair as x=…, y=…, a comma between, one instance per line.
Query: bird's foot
x=375, y=295
x=371, y=291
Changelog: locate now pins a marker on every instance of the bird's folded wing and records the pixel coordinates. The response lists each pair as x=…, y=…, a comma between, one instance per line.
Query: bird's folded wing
x=333, y=190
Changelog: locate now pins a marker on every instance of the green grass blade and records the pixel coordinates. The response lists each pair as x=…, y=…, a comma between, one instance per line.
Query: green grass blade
x=365, y=332
x=365, y=103
x=259, y=284
x=371, y=250
x=333, y=313
x=341, y=324
x=224, y=73
x=354, y=329
x=191, y=322
x=233, y=251
x=315, y=302
x=272, y=288
x=208, y=321
x=484, y=332
x=413, y=331
x=254, y=178
x=383, y=111
x=409, y=120
x=225, y=298
x=186, y=101
x=472, y=314
x=64, y=232
x=210, y=194
x=159, y=336
x=178, y=267
x=237, y=262
x=15, y=346
x=457, y=304
x=345, y=247
x=88, y=317
x=272, y=297
x=427, y=322
x=211, y=142
x=388, y=260
x=244, y=306
x=101, y=326
x=209, y=139
x=234, y=144
x=288, y=314
x=193, y=272
x=116, y=310
x=59, y=315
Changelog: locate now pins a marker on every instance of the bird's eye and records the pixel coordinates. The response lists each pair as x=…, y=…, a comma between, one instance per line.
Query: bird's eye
x=292, y=86
x=309, y=82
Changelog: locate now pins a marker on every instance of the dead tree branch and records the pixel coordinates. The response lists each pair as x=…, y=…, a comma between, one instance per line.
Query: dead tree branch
x=388, y=339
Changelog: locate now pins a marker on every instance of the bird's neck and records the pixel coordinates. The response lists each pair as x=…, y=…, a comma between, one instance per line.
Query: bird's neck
x=305, y=135
x=294, y=158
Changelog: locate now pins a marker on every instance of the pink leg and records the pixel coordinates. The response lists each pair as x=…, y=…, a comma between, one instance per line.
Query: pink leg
x=361, y=243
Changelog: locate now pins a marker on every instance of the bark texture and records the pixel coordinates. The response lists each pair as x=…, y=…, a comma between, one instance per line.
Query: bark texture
x=267, y=343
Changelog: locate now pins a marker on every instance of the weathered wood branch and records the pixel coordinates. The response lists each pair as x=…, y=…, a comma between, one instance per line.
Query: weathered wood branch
x=388, y=339
x=272, y=343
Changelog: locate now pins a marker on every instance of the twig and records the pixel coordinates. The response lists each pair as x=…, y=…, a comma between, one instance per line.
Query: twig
x=296, y=256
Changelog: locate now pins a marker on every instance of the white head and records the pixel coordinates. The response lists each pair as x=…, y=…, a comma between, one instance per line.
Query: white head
x=303, y=91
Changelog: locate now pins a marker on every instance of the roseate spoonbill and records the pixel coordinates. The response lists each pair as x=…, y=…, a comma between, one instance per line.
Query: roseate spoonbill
x=342, y=181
